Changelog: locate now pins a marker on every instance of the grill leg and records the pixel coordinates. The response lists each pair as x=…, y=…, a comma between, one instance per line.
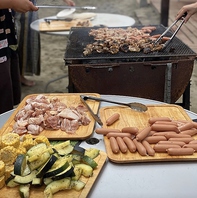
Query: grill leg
x=186, y=98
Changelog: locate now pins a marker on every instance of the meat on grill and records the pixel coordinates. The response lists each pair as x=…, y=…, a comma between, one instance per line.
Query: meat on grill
x=113, y=40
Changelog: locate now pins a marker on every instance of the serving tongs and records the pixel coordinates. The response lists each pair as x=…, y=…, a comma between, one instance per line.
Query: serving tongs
x=133, y=105
x=181, y=20
x=95, y=116
x=67, y=7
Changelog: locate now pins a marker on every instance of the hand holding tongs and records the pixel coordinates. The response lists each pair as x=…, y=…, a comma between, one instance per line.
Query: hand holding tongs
x=182, y=19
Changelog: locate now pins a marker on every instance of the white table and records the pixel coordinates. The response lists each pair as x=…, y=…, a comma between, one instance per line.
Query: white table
x=140, y=180
x=109, y=20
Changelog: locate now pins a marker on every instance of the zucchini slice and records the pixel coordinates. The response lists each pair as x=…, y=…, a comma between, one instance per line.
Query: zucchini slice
x=57, y=185
x=77, y=172
x=10, y=182
x=66, y=173
x=77, y=185
x=46, y=166
x=37, y=181
x=87, y=171
x=38, y=148
x=26, y=179
x=92, y=152
x=20, y=164
x=24, y=191
x=89, y=161
x=64, y=151
x=58, y=167
x=39, y=162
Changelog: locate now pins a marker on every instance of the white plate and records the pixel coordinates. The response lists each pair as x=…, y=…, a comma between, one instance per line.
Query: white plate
x=64, y=13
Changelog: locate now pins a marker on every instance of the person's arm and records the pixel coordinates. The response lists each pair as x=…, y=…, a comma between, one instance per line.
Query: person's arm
x=18, y=5
x=191, y=9
x=69, y=2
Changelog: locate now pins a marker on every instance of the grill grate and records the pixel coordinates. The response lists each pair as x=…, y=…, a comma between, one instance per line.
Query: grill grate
x=79, y=38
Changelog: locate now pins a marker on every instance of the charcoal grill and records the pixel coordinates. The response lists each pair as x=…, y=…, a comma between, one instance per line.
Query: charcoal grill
x=162, y=76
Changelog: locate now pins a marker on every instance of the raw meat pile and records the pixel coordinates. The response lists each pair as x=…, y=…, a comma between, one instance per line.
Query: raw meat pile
x=41, y=113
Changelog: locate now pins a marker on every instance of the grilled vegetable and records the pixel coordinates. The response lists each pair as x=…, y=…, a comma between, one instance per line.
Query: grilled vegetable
x=10, y=139
x=59, y=166
x=92, y=152
x=55, y=186
x=87, y=170
x=89, y=161
x=37, y=181
x=2, y=181
x=66, y=173
x=46, y=166
x=77, y=185
x=10, y=182
x=25, y=179
x=24, y=191
x=2, y=168
x=40, y=161
x=20, y=164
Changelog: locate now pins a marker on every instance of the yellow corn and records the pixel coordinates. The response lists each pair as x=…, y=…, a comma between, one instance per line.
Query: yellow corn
x=42, y=139
x=2, y=168
x=8, y=155
x=10, y=139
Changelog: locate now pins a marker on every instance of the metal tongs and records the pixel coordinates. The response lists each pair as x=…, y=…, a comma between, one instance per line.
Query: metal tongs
x=67, y=7
x=181, y=20
x=95, y=116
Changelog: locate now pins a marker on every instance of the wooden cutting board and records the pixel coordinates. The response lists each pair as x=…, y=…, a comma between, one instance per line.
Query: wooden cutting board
x=83, y=132
x=38, y=191
x=129, y=117
x=61, y=25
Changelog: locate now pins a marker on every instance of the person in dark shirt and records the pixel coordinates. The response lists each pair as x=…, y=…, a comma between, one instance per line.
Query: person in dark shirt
x=10, y=88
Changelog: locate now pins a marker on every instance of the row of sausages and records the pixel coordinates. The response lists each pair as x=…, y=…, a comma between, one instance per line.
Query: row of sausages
x=162, y=135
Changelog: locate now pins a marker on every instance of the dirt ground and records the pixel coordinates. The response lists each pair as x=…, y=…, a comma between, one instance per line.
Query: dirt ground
x=53, y=46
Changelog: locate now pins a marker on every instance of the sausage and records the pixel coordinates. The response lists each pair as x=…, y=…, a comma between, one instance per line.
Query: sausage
x=105, y=131
x=156, y=36
x=172, y=142
x=122, y=146
x=166, y=122
x=163, y=133
x=164, y=127
x=162, y=148
x=132, y=130
x=193, y=142
x=114, y=145
x=130, y=145
x=148, y=148
x=151, y=133
x=180, y=151
x=112, y=119
x=165, y=38
x=143, y=134
x=186, y=126
x=155, y=139
x=178, y=135
x=194, y=146
x=195, y=124
x=140, y=148
x=120, y=135
x=154, y=119
x=190, y=132
x=186, y=140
